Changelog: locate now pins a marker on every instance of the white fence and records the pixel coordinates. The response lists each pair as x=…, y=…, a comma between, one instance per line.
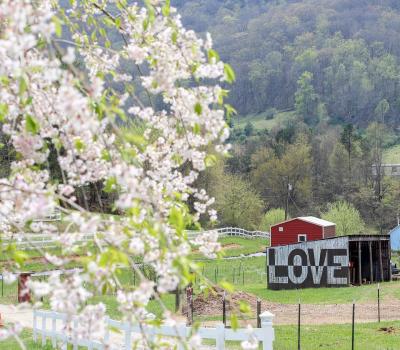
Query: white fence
x=127, y=332
x=31, y=241
x=233, y=231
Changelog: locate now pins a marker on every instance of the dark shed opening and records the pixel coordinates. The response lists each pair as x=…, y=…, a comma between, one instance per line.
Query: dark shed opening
x=373, y=252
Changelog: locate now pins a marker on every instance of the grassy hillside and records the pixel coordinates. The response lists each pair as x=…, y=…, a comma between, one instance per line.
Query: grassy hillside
x=260, y=121
x=392, y=155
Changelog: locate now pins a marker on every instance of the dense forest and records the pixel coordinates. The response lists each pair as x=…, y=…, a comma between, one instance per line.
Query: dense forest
x=345, y=51
x=323, y=76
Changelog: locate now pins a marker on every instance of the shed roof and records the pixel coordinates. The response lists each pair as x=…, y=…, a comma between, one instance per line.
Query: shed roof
x=311, y=220
x=317, y=221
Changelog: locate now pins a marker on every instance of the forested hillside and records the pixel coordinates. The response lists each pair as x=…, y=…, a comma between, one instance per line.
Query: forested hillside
x=340, y=56
x=318, y=101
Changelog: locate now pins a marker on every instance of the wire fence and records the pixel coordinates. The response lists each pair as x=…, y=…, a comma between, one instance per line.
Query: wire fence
x=300, y=320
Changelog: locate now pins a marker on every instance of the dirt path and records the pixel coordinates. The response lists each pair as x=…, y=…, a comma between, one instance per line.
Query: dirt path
x=310, y=313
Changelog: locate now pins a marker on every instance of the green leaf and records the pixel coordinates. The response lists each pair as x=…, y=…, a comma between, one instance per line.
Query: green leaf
x=110, y=185
x=227, y=286
x=58, y=26
x=79, y=145
x=234, y=322
x=196, y=129
x=198, y=108
x=166, y=8
x=210, y=160
x=244, y=307
x=176, y=219
x=213, y=54
x=108, y=22
x=229, y=73
x=3, y=111
x=31, y=124
x=103, y=32
x=20, y=257
x=22, y=86
x=174, y=37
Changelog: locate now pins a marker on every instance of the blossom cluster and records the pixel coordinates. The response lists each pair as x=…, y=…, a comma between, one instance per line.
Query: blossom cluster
x=85, y=99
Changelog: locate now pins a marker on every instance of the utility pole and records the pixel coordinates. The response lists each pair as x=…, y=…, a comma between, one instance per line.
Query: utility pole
x=288, y=188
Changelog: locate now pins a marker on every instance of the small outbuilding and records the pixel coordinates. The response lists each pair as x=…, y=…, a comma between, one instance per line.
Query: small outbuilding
x=331, y=262
x=301, y=229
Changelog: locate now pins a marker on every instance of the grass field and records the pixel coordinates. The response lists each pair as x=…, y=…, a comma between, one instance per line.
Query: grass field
x=260, y=122
x=392, y=155
x=249, y=275
x=236, y=246
x=368, y=336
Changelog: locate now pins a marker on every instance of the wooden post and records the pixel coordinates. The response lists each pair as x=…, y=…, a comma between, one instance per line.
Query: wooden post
x=299, y=328
x=177, y=299
x=359, y=264
x=258, y=313
x=379, y=305
x=380, y=261
x=371, y=269
x=352, y=326
x=224, y=310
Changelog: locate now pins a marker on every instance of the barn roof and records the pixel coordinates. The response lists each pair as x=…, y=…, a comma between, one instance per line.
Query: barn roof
x=317, y=221
x=311, y=220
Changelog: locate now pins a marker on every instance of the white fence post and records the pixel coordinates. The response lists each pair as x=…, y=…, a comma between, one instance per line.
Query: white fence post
x=220, y=337
x=43, y=330
x=128, y=336
x=107, y=331
x=53, y=332
x=75, y=334
x=268, y=330
x=34, y=326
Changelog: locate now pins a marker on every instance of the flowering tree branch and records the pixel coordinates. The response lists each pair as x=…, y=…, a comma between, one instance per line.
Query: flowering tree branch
x=80, y=98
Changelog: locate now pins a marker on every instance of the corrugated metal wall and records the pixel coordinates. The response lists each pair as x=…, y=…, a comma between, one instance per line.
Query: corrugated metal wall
x=323, y=263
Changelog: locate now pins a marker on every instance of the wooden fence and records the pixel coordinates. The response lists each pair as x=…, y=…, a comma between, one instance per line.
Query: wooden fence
x=126, y=332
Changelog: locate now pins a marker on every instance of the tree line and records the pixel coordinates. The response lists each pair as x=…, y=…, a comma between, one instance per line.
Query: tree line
x=309, y=172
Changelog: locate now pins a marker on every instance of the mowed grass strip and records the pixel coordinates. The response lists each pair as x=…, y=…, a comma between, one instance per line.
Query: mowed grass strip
x=342, y=295
x=368, y=336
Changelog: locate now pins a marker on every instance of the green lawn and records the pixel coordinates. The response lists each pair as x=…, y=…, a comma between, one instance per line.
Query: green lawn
x=260, y=123
x=27, y=338
x=392, y=155
x=344, y=295
x=368, y=336
x=236, y=246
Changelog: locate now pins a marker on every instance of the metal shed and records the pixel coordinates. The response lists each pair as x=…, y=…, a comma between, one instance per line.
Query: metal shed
x=331, y=262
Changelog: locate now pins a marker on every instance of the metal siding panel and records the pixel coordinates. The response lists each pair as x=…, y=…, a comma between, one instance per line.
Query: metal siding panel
x=309, y=264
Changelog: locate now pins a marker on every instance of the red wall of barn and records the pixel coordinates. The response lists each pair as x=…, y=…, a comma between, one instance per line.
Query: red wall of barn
x=292, y=229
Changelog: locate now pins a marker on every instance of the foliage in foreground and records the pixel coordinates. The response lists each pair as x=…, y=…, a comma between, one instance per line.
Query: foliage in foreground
x=129, y=102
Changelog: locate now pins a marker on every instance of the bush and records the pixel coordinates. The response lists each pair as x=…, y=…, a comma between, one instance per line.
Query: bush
x=272, y=217
x=346, y=217
x=270, y=113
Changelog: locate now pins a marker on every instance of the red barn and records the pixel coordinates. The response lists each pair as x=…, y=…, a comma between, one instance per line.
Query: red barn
x=301, y=229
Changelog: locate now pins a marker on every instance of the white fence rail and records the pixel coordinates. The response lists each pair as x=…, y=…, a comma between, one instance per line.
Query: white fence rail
x=232, y=231
x=49, y=324
x=31, y=241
